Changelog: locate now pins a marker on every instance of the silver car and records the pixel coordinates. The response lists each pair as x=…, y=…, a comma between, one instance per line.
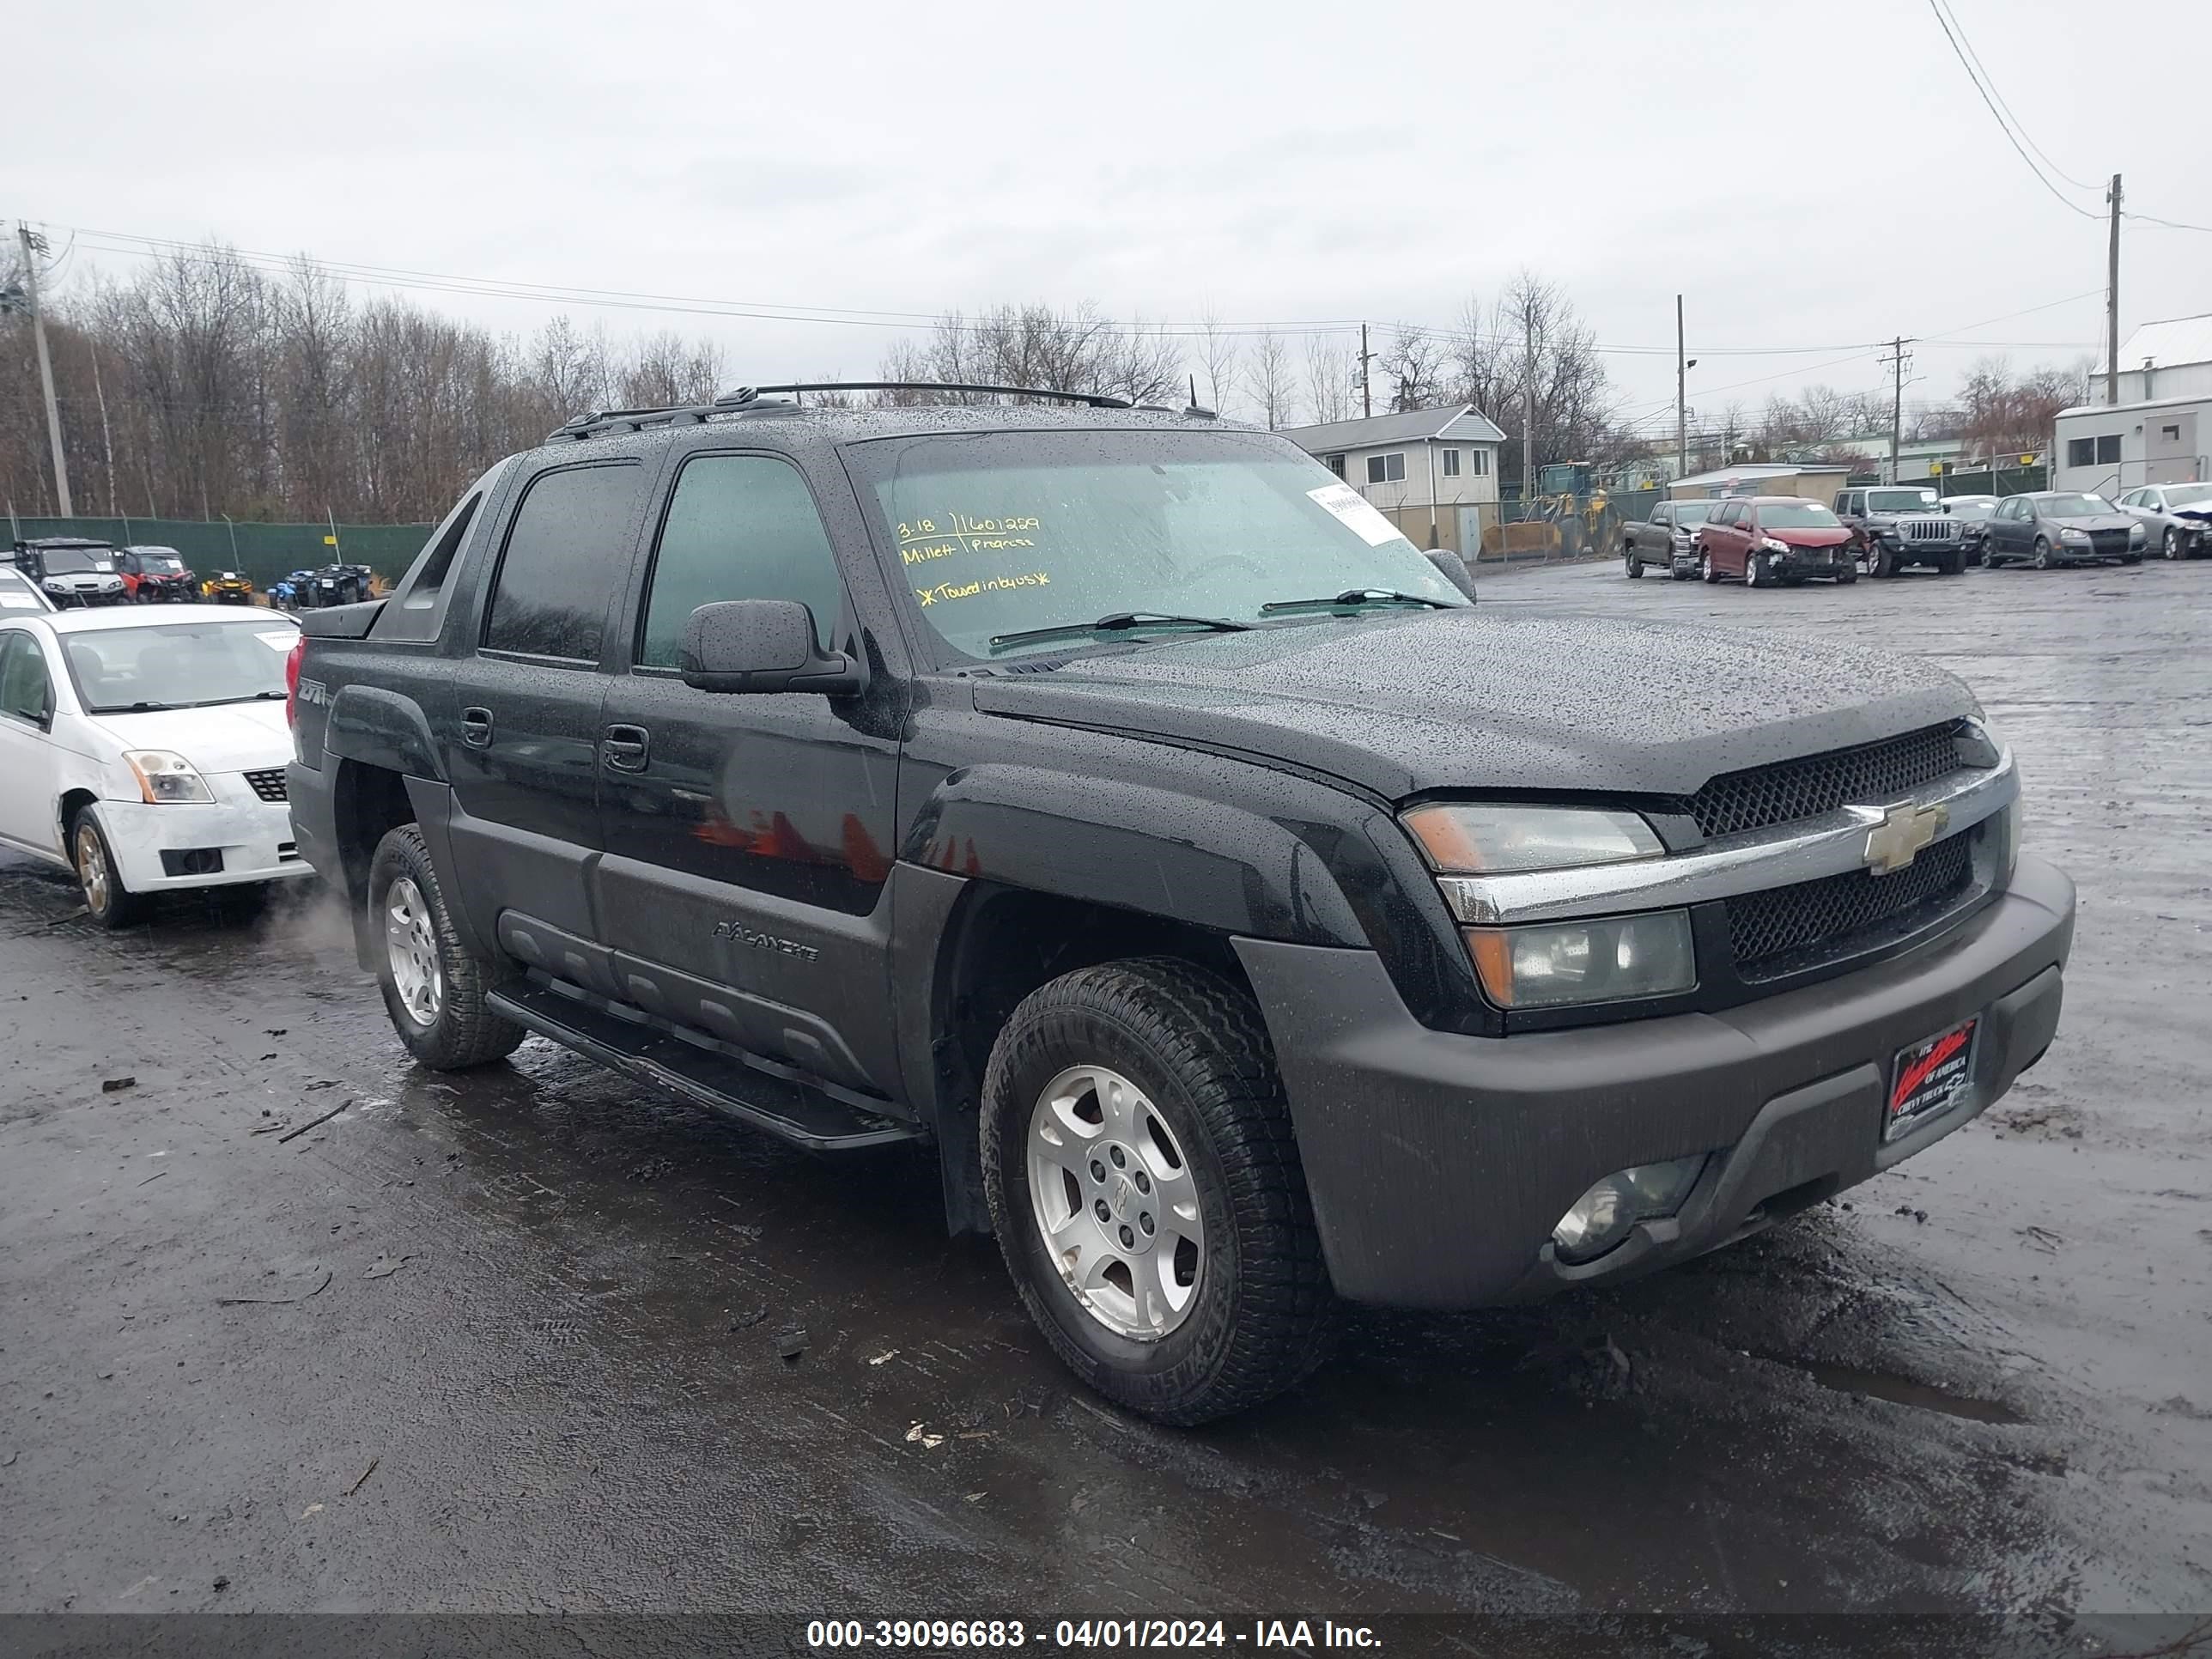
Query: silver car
x=2176, y=516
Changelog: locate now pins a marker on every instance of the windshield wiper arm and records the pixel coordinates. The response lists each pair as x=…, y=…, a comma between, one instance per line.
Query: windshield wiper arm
x=1354, y=598
x=1118, y=622
x=134, y=708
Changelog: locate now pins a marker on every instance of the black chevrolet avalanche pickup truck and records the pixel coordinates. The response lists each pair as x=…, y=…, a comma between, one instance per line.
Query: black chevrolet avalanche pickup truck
x=1113, y=803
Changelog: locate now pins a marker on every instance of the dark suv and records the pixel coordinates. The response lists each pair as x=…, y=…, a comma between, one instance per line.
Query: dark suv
x=1114, y=802
x=1894, y=525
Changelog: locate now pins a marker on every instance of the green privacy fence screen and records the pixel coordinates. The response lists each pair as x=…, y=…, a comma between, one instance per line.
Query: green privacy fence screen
x=264, y=551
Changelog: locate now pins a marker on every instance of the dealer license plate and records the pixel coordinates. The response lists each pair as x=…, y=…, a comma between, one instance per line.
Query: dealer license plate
x=1929, y=1077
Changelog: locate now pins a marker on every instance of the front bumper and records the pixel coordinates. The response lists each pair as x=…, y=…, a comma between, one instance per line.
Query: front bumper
x=1439, y=1163
x=254, y=838
x=1808, y=561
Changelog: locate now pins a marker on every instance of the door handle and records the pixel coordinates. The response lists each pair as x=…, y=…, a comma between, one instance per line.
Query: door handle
x=626, y=747
x=476, y=727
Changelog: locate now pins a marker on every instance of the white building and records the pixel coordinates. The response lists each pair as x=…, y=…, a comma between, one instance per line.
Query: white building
x=2172, y=359
x=2108, y=448
x=1418, y=468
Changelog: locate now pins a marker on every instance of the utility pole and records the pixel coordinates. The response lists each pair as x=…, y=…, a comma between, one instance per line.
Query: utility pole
x=35, y=245
x=1681, y=399
x=2113, y=301
x=1366, y=391
x=1529, y=423
x=1897, y=360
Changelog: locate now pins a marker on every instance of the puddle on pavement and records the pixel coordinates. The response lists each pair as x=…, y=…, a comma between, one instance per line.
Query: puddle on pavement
x=1904, y=1391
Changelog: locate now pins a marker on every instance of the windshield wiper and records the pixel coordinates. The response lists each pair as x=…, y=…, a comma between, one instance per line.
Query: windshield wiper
x=1353, y=599
x=1118, y=622
x=134, y=708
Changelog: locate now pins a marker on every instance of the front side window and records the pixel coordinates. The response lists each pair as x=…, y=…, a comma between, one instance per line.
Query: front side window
x=569, y=546
x=1386, y=468
x=24, y=692
x=1001, y=532
x=124, y=670
x=1451, y=463
x=739, y=527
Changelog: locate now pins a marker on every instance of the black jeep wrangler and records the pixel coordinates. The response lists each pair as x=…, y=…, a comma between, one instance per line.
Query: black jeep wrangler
x=1114, y=802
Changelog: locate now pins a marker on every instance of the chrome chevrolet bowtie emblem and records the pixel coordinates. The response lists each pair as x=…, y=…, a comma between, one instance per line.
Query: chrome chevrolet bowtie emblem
x=1894, y=843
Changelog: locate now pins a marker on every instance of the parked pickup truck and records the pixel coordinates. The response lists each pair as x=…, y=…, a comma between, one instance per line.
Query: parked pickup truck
x=1668, y=538
x=1895, y=526
x=1115, y=802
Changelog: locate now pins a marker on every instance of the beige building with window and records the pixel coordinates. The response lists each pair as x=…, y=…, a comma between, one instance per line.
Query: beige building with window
x=1418, y=468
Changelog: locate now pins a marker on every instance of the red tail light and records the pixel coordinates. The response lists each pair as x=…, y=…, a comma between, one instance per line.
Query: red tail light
x=292, y=681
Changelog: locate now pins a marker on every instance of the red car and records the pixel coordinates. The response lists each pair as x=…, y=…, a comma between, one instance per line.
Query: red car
x=1774, y=540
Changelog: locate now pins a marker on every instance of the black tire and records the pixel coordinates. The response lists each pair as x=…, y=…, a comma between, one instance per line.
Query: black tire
x=1847, y=576
x=100, y=878
x=1952, y=562
x=462, y=1031
x=1196, y=1048
x=1635, y=566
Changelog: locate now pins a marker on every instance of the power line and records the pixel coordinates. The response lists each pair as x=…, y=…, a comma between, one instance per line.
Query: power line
x=1944, y=8
x=1944, y=24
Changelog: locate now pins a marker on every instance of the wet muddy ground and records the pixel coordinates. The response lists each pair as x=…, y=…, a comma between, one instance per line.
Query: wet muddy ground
x=511, y=1341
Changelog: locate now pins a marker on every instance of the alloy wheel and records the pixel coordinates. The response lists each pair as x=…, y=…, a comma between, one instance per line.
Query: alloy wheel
x=92, y=871
x=411, y=946
x=1116, y=1203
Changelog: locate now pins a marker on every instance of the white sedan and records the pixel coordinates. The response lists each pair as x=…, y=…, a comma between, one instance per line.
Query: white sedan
x=145, y=748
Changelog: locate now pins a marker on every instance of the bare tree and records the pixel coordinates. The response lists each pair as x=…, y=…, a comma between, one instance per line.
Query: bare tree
x=1270, y=378
x=1416, y=364
x=1217, y=360
x=1329, y=375
x=1035, y=345
x=1531, y=340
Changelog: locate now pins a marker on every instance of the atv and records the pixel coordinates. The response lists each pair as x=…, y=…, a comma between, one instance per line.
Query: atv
x=228, y=588
x=294, y=592
x=339, y=584
x=155, y=575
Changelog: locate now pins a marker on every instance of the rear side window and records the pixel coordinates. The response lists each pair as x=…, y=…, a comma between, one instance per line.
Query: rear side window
x=739, y=527
x=567, y=548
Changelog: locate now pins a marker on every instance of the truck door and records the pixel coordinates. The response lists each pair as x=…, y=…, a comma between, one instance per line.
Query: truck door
x=748, y=836
x=518, y=725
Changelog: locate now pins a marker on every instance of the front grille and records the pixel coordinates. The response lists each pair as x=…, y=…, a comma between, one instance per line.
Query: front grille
x=1786, y=929
x=2108, y=543
x=269, y=785
x=1871, y=774
x=1931, y=529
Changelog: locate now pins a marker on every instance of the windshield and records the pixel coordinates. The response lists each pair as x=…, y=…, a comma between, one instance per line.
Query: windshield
x=181, y=666
x=1692, y=511
x=75, y=561
x=1797, y=515
x=165, y=563
x=1899, y=501
x=2189, y=495
x=16, y=594
x=2074, y=506
x=1006, y=531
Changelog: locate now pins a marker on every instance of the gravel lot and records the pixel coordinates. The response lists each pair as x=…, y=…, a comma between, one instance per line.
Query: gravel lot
x=511, y=1341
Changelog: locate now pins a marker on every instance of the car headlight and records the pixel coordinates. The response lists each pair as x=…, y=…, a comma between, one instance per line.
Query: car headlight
x=1487, y=839
x=2135, y=535
x=1557, y=964
x=2073, y=535
x=166, y=777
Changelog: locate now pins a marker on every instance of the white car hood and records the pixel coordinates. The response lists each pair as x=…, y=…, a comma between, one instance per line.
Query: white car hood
x=232, y=737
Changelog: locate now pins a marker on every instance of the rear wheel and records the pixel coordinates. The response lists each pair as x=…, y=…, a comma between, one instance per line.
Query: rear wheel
x=100, y=878
x=1706, y=571
x=434, y=988
x=1144, y=1186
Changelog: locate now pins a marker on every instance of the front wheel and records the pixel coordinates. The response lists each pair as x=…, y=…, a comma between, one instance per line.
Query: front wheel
x=2169, y=544
x=434, y=988
x=2042, y=559
x=1635, y=566
x=1144, y=1186
x=100, y=878
x=1750, y=575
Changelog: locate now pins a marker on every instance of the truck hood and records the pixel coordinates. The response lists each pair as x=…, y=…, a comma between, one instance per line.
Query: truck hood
x=231, y=737
x=1404, y=703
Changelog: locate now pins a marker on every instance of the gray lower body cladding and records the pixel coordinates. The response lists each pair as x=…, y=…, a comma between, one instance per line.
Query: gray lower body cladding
x=1439, y=1163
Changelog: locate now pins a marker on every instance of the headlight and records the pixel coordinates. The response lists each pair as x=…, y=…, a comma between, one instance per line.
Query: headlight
x=2073, y=535
x=1556, y=965
x=1773, y=546
x=2135, y=535
x=1480, y=840
x=165, y=777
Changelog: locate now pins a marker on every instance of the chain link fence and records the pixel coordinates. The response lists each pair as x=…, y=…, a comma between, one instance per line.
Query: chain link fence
x=265, y=552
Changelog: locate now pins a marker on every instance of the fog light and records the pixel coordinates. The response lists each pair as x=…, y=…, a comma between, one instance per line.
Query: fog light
x=1601, y=1217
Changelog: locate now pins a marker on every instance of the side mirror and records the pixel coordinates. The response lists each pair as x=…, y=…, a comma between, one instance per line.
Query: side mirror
x=1454, y=570
x=762, y=645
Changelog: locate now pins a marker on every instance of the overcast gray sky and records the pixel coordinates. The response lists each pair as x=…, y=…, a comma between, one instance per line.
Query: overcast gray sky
x=1814, y=176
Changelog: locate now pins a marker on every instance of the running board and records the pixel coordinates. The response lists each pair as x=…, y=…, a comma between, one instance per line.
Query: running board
x=791, y=1111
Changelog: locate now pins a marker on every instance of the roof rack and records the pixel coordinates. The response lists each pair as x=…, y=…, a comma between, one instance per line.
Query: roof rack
x=598, y=422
